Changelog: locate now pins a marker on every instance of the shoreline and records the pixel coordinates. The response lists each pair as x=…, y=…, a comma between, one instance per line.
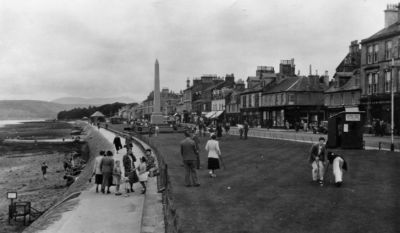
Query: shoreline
x=20, y=166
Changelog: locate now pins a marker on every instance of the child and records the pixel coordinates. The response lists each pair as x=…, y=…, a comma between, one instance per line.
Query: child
x=338, y=165
x=44, y=169
x=143, y=173
x=117, y=173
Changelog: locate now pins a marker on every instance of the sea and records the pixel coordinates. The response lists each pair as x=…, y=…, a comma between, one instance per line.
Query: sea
x=15, y=122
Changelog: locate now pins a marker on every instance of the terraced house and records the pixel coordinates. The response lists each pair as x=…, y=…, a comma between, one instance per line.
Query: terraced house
x=345, y=89
x=380, y=56
x=293, y=99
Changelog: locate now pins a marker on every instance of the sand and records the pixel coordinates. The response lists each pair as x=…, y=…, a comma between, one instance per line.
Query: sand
x=20, y=170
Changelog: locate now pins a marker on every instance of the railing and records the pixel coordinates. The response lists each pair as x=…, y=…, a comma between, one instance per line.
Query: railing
x=163, y=182
x=163, y=186
x=312, y=138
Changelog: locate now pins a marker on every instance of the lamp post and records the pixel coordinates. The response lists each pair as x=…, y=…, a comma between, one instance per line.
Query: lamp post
x=392, y=107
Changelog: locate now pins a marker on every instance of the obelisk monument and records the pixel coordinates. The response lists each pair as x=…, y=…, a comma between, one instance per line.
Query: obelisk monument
x=156, y=116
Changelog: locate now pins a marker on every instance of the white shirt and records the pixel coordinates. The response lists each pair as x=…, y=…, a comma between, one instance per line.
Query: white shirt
x=212, y=147
x=97, y=162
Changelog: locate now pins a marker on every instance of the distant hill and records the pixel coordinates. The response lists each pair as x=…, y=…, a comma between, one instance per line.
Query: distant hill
x=93, y=101
x=32, y=109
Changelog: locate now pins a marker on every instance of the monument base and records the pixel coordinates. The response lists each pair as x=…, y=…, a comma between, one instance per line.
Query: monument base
x=156, y=118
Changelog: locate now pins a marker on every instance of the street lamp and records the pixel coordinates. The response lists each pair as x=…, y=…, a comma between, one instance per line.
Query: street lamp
x=392, y=106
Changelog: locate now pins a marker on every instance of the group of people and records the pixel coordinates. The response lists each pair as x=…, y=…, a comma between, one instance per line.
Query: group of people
x=190, y=148
x=379, y=127
x=320, y=160
x=108, y=171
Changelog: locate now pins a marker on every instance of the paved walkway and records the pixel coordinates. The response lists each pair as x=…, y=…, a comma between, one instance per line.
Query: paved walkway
x=371, y=141
x=102, y=213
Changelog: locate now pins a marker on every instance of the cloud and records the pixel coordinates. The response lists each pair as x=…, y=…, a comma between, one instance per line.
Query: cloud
x=51, y=49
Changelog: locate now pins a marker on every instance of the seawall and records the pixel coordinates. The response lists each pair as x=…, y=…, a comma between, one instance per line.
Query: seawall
x=96, y=142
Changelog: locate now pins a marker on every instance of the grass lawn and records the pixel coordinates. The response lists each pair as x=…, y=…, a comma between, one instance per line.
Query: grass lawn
x=270, y=190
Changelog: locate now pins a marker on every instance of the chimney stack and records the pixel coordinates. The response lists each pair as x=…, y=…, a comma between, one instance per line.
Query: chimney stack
x=310, y=70
x=391, y=14
x=326, y=78
x=187, y=83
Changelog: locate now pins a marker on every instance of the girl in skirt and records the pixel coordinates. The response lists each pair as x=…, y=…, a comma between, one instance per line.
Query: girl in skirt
x=214, y=152
x=117, y=174
x=143, y=173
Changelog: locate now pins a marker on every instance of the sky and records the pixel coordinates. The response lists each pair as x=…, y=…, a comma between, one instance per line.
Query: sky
x=101, y=48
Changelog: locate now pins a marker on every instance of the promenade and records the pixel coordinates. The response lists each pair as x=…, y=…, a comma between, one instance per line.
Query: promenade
x=106, y=213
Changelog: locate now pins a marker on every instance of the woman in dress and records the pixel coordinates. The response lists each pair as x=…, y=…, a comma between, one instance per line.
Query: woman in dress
x=128, y=161
x=214, y=152
x=107, y=168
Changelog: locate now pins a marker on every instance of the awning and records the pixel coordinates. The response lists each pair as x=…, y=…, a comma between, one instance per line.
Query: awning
x=210, y=114
x=217, y=114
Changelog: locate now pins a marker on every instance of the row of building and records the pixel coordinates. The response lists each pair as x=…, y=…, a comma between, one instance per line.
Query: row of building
x=363, y=79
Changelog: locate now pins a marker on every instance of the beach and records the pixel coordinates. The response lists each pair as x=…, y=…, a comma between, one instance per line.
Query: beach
x=20, y=165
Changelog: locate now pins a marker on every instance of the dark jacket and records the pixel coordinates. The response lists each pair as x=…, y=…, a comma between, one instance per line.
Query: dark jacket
x=117, y=141
x=128, y=162
x=107, y=164
x=314, y=152
x=188, y=149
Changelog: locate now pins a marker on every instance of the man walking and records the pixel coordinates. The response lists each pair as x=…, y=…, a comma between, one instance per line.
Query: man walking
x=246, y=129
x=117, y=143
x=317, y=160
x=189, y=157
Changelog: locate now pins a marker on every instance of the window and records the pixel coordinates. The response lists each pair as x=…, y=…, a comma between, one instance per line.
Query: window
x=369, y=55
x=341, y=99
x=353, y=99
x=369, y=83
x=387, y=81
x=388, y=50
x=243, y=101
x=331, y=99
x=256, y=100
x=278, y=99
x=291, y=98
x=376, y=50
x=375, y=84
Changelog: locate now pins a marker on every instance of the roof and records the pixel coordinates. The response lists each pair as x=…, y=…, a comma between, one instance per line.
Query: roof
x=252, y=78
x=97, y=114
x=283, y=85
x=216, y=86
x=350, y=85
x=296, y=84
x=392, y=30
x=256, y=88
